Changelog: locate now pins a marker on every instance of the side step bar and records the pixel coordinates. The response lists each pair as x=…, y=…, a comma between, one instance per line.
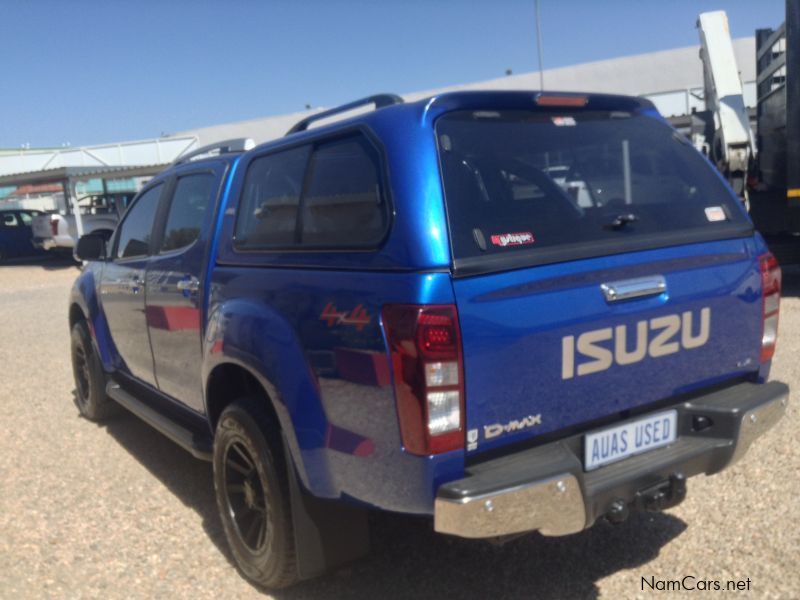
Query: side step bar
x=198, y=446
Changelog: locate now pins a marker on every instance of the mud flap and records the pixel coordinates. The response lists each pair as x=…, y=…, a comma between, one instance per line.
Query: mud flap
x=327, y=533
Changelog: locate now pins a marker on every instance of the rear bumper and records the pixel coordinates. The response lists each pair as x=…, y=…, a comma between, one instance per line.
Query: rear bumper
x=60, y=241
x=546, y=488
x=43, y=243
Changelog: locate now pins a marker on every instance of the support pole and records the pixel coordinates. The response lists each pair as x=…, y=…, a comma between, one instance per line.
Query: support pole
x=75, y=208
x=626, y=171
x=793, y=104
x=539, y=45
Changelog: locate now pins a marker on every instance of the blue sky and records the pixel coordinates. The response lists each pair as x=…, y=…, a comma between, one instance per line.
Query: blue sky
x=88, y=72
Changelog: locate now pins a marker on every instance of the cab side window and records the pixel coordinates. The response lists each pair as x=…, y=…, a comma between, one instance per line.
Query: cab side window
x=333, y=199
x=343, y=205
x=136, y=230
x=187, y=210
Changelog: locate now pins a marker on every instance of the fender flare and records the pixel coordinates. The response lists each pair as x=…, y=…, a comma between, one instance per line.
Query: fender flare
x=255, y=338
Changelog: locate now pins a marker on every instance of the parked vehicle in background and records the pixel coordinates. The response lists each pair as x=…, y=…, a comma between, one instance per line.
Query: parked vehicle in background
x=727, y=135
x=100, y=214
x=16, y=234
x=572, y=183
x=404, y=311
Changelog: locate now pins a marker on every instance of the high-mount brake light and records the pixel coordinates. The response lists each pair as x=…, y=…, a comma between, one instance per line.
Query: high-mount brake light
x=425, y=346
x=771, y=299
x=550, y=100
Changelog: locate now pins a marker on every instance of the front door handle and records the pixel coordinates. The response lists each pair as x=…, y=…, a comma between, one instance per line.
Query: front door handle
x=188, y=285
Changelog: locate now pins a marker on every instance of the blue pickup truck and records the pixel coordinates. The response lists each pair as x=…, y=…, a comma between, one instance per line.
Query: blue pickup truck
x=506, y=312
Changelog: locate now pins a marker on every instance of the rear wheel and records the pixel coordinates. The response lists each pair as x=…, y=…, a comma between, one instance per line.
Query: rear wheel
x=90, y=380
x=251, y=487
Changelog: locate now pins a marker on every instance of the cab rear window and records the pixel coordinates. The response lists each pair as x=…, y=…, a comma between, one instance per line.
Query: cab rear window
x=551, y=186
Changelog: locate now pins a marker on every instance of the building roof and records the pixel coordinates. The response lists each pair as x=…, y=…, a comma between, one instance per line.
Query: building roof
x=79, y=173
x=638, y=75
x=653, y=74
x=121, y=154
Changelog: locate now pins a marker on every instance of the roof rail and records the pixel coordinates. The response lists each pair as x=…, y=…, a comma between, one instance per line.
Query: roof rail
x=379, y=100
x=224, y=147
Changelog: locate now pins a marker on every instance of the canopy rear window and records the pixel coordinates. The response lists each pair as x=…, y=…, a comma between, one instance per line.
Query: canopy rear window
x=532, y=187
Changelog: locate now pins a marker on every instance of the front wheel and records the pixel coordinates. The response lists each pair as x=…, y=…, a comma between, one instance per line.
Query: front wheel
x=251, y=487
x=90, y=379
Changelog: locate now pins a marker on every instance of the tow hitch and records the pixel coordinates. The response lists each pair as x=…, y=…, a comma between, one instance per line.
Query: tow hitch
x=661, y=496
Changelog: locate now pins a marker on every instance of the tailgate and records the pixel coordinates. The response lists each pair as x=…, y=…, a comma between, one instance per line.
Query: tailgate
x=41, y=227
x=545, y=349
x=554, y=204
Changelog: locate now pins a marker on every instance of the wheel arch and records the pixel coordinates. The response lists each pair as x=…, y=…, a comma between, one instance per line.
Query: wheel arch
x=76, y=314
x=229, y=381
x=84, y=305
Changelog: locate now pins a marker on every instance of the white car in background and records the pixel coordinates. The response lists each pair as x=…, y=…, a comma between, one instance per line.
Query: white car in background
x=100, y=213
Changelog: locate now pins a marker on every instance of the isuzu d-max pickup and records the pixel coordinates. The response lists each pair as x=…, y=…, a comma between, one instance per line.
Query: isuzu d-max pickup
x=407, y=309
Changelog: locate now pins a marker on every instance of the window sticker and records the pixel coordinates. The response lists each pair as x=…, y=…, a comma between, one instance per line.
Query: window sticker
x=563, y=121
x=715, y=213
x=513, y=239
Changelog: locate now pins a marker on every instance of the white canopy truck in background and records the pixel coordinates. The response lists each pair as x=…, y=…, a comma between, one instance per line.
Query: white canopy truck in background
x=93, y=213
x=728, y=138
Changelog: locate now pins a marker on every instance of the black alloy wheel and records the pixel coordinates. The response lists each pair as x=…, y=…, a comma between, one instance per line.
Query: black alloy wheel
x=90, y=379
x=246, y=500
x=252, y=491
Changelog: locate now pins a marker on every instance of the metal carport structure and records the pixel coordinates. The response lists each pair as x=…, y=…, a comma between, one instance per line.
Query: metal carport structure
x=68, y=177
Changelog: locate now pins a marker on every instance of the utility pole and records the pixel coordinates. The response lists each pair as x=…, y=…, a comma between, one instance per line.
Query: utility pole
x=539, y=44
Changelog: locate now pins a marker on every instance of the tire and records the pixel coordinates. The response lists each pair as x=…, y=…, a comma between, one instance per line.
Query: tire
x=90, y=379
x=252, y=491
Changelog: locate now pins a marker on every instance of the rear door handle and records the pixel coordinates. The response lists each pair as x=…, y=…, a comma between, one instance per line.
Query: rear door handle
x=614, y=291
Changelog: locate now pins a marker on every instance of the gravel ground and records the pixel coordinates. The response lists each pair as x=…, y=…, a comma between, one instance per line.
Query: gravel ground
x=118, y=511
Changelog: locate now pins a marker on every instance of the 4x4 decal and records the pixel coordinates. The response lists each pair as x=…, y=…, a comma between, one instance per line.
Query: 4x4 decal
x=358, y=317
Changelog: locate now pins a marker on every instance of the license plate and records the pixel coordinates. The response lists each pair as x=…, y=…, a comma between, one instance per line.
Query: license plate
x=622, y=441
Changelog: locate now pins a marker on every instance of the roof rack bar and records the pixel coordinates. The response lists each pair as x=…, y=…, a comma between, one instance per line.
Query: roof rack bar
x=224, y=147
x=379, y=100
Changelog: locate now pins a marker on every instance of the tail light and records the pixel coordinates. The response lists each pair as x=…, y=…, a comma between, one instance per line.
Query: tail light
x=54, y=225
x=771, y=298
x=425, y=346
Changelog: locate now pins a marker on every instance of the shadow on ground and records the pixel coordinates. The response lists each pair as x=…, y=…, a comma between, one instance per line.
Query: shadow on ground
x=409, y=560
x=56, y=262
x=188, y=478
x=791, y=281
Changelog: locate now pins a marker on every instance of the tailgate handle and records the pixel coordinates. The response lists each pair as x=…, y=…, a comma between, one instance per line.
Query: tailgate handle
x=615, y=291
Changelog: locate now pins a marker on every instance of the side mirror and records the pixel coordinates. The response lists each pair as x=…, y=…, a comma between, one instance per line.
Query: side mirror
x=91, y=246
